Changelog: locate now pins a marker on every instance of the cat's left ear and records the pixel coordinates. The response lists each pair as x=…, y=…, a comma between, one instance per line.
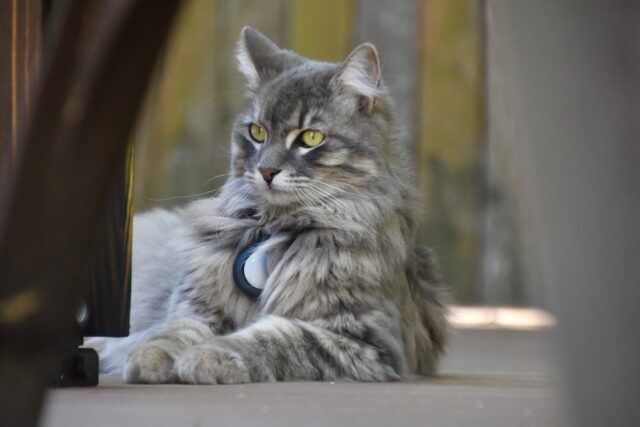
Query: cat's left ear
x=359, y=74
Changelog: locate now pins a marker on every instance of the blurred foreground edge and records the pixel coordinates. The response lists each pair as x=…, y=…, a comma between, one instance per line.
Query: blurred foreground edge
x=564, y=92
x=54, y=187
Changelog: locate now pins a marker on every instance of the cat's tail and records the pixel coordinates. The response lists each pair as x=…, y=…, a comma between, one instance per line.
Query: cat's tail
x=431, y=301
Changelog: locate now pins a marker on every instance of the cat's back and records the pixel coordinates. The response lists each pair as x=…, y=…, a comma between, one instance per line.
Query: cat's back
x=158, y=264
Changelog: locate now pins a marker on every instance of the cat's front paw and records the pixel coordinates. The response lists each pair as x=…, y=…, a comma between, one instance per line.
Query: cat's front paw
x=150, y=364
x=210, y=364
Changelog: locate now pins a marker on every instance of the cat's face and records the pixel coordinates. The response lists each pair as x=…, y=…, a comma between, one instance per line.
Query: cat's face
x=312, y=130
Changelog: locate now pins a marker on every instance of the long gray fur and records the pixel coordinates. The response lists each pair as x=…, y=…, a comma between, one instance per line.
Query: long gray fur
x=349, y=294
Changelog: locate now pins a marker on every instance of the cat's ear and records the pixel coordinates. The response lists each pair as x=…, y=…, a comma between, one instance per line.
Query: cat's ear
x=359, y=74
x=259, y=59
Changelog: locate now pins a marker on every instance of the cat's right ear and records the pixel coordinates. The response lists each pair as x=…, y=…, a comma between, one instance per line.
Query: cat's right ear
x=259, y=59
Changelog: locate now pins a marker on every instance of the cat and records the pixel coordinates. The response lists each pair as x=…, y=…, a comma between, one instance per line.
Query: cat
x=319, y=194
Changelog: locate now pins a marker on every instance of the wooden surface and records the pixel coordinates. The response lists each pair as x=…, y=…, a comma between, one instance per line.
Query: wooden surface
x=322, y=29
x=490, y=378
x=394, y=27
x=20, y=36
x=451, y=148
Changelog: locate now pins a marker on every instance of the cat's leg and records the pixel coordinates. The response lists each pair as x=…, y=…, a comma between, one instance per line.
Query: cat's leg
x=281, y=349
x=153, y=360
x=113, y=351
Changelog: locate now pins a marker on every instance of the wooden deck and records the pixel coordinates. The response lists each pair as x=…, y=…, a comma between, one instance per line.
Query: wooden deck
x=489, y=378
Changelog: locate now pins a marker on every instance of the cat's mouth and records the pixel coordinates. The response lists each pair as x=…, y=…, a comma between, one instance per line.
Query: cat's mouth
x=277, y=197
x=276, y=194
x=281, y=190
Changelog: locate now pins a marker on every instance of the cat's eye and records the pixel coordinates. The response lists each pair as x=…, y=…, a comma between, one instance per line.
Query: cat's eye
x=257, y=132
x=311, y=137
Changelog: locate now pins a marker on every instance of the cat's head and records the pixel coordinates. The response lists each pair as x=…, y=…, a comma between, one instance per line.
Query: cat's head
x=311, y=130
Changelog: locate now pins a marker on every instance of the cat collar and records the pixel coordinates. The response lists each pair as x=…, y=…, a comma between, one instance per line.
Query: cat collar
x=250, y=270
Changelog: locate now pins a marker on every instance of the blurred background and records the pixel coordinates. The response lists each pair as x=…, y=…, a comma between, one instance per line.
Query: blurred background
x=437, y=65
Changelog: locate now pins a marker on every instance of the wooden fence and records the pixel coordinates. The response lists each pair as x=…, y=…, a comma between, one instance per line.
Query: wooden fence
x=433, y=60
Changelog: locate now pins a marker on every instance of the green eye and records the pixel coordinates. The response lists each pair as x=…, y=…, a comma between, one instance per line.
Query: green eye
x=311, y=137
x=257, y=132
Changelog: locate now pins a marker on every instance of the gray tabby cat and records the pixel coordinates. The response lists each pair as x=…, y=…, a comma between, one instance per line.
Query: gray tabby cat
x=316, y=171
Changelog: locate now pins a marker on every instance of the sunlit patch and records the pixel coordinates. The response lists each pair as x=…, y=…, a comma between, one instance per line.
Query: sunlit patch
x=500, y=318
x=19, y=307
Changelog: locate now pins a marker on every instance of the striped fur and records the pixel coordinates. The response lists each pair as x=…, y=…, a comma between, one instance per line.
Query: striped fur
x=349, y=295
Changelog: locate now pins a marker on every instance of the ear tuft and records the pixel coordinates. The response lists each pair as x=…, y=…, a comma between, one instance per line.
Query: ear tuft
x=245, y=63
x=256, y=55
x=360, y=74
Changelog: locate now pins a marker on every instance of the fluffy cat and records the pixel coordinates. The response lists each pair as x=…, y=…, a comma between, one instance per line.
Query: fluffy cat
x=318, y=176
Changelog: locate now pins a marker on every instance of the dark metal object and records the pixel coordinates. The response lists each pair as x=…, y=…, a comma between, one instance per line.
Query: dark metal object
x=93, y=81
x=108, y=296
x=79, y=368
x=105, y=309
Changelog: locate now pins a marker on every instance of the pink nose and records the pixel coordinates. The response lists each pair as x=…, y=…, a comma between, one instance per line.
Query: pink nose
x=268, y=174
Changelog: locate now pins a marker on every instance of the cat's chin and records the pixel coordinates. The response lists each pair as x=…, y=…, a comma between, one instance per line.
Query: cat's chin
x=275, y=197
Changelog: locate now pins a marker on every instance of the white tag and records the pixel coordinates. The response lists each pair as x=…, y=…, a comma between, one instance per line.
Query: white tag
x=255, y=269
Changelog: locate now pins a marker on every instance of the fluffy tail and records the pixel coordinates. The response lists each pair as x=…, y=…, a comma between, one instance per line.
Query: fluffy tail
x=428, y=334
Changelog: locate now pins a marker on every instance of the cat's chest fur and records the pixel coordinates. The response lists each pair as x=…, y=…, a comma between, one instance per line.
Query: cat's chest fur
x=212, y=286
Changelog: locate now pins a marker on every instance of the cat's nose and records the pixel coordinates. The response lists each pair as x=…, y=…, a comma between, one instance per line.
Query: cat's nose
x=268, y=173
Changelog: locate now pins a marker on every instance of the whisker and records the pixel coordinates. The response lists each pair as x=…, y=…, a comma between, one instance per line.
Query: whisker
x=335, y=187
x=182, y=197
x=215, y=177
x=335, y=201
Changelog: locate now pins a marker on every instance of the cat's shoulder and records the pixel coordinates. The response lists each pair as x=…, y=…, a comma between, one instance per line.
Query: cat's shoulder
x=157, y=220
